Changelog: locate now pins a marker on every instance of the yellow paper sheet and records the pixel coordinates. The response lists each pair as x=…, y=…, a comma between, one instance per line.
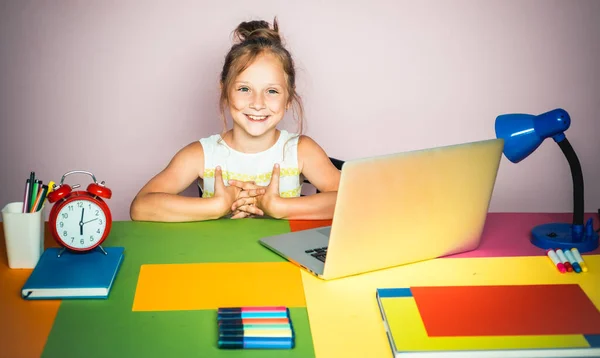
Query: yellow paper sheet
x=344, y=315
x=169, y=287
x=415, y=335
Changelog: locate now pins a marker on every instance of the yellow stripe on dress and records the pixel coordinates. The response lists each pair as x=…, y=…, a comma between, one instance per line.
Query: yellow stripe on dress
x=257, y=178
x=290, y=193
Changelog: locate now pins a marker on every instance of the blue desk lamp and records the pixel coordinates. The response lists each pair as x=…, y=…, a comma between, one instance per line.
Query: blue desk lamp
x=522, y=134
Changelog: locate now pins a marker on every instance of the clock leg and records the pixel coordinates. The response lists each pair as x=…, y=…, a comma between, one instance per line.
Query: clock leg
x=100, y=246
x=61, y=251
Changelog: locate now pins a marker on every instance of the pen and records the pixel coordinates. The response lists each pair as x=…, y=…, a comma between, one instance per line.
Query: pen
x=579, y=259
x=36, y=202
x=44, y=195
x=40, y=185
x=34, y=194
x=40, y=199
x=26, y=196
x=37, y=190
x=30, y=191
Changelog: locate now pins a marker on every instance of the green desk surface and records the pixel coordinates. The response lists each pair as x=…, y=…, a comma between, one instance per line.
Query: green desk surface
x=109, y=328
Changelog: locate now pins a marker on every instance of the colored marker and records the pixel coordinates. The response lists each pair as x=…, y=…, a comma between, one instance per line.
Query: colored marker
x=270, y=327
x=251, y=309
x=36, y=201
x=256, y=342
x=34, y=194
x=39, y=201
x=564, y=260
x=242, y=315
x=572, y=260
x=43, y=195
x=554, y=258
x=258, y=333
x=579, y=259
x=236, y=327
x=26, y=196
x=30, y=191
x=254, y=321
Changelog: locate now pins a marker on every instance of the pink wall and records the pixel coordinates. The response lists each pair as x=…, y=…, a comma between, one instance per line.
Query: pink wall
x=117, y=87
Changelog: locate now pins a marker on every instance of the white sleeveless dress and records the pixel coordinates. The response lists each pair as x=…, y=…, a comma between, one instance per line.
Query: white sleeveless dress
x=257, y=167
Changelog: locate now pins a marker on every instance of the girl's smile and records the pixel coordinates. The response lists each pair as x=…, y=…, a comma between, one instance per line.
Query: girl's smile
x=257, y=118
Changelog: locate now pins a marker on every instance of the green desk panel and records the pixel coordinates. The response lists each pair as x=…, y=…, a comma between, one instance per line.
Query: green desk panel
x=109, y=328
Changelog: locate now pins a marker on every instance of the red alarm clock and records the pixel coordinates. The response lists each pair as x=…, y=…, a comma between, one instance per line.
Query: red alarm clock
x=80, y=220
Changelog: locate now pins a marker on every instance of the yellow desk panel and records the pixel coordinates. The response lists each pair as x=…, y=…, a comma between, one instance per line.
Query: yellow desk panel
x=345, y=318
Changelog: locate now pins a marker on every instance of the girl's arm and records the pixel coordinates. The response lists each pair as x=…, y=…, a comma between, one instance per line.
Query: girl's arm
x=318, y=206
x=316, y=166
x=158, y=200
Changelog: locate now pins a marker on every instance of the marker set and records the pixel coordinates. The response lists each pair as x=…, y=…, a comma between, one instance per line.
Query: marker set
x=255, y=328
x=567, y=260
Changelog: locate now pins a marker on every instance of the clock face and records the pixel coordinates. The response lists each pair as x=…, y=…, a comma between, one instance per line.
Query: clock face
x=81, y=224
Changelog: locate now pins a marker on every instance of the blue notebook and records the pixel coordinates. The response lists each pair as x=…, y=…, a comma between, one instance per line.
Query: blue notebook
x=73, y=275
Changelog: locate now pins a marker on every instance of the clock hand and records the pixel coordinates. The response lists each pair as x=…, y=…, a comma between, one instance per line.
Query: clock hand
x=81, y=222
x=90, y=221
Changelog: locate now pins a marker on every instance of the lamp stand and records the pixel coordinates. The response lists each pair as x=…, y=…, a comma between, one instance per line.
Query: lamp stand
x=564, y=235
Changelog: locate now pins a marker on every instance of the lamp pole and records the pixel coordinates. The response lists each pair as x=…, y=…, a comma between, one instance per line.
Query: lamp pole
x=577, y=175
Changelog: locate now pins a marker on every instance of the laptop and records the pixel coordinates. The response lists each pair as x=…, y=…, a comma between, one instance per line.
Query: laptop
x=398, y=209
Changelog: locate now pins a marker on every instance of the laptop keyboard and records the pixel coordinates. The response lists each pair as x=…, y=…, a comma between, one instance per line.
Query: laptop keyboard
x=319, y=253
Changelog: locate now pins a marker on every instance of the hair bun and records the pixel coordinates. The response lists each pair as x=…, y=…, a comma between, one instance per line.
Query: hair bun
x=257, y=30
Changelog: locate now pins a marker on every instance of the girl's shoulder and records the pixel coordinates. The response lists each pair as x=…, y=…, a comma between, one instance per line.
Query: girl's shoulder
x=305, y=142
x=309, y=149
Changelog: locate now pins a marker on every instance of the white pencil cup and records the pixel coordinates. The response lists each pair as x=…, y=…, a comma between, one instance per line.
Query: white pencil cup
x=24, y=236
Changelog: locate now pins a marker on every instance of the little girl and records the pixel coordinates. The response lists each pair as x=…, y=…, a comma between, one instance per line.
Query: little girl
x=253, y=168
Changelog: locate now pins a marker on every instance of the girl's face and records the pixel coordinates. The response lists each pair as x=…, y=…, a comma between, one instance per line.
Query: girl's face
x=258, y=96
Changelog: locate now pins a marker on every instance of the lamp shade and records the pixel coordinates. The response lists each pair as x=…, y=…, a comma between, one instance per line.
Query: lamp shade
x=523, y=133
